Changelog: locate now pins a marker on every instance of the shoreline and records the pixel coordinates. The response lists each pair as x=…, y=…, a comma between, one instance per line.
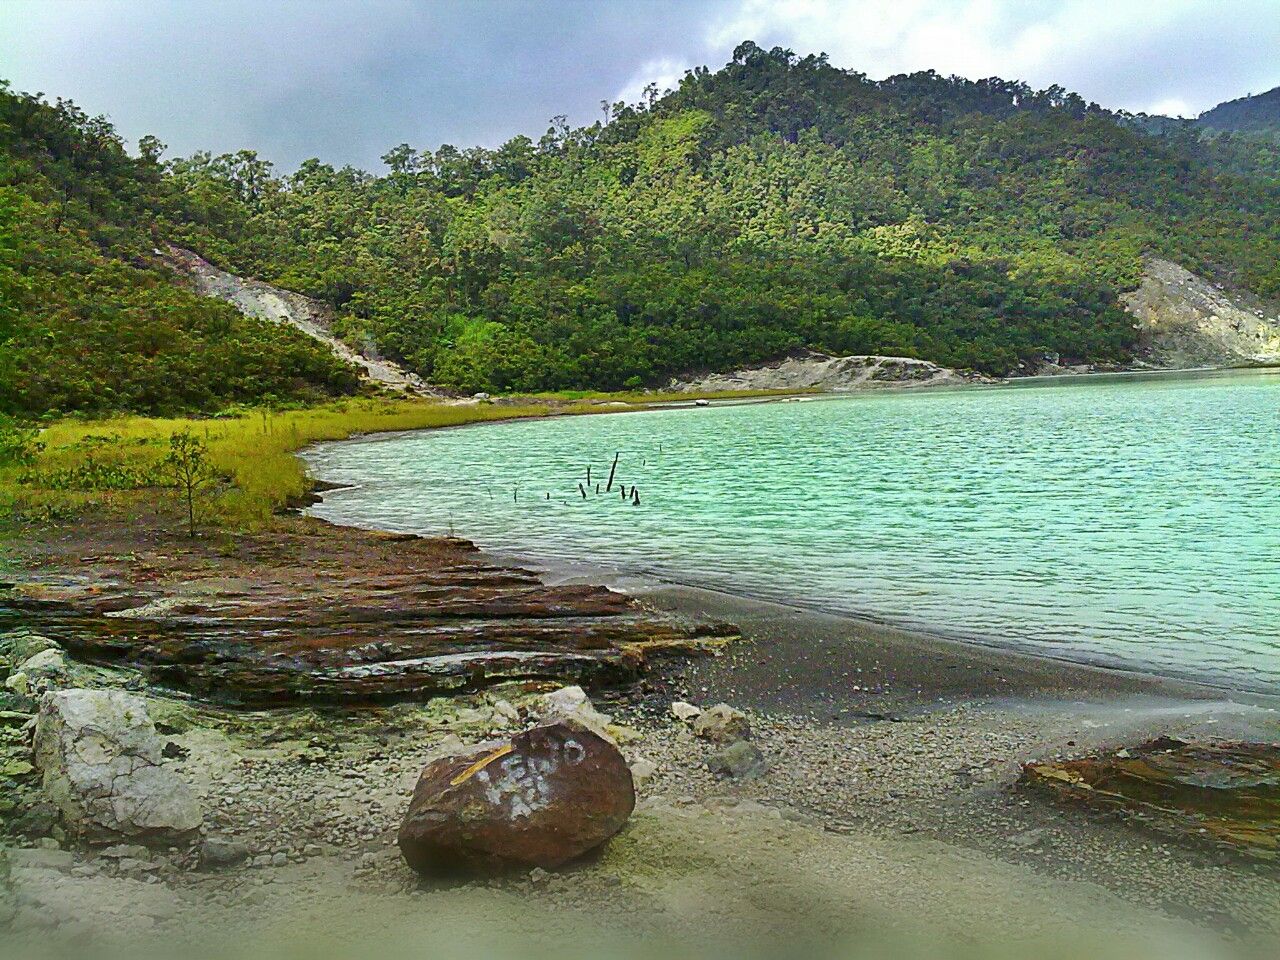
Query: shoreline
x=920, y=668
x=906, y=641
x=900, y=786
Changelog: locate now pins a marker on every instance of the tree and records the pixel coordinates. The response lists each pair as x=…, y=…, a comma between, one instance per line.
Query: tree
x=150, y=148
x=187, y=466
x=403, y=161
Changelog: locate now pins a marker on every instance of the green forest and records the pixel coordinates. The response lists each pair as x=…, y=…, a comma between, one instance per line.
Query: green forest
x=90, y=318
x=777, y=203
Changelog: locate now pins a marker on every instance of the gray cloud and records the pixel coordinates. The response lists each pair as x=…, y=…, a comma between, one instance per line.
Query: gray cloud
x=346, y=80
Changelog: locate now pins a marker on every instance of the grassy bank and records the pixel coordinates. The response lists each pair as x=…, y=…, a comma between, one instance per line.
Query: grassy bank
x=116, y=464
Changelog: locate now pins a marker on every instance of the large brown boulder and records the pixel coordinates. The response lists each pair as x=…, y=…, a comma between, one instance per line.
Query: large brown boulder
x=541, y=799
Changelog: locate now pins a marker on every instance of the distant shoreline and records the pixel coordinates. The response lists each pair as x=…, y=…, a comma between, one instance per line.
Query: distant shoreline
x=1139, y=374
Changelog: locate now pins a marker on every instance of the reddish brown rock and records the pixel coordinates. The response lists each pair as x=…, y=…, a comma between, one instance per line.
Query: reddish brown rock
x=1214, y=791
x=543, y=798
x=335, y=615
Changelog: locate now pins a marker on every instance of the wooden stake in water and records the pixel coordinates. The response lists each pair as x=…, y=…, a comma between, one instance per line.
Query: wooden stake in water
x=612, y=470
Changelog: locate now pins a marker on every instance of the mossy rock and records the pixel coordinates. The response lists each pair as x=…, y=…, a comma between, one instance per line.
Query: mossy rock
x=15, y=767
x=19, y=645
x=174, y=716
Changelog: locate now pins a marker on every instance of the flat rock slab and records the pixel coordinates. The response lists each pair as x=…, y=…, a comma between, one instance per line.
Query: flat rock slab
x=327, y=614
x=1227, y=792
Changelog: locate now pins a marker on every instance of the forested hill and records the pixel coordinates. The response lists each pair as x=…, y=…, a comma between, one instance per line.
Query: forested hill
x=90, y=319
x=1255, y=114
x=778, y=202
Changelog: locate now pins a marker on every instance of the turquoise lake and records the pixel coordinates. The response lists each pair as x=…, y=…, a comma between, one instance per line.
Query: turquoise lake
x=1133, y=523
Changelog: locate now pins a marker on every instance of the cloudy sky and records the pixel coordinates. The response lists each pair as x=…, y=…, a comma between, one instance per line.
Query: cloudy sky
x=346, y=80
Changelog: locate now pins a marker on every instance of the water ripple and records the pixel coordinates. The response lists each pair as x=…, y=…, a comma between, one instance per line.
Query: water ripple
x=1131, y=523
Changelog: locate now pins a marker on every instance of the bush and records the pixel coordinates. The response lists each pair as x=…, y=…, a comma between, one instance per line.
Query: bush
x=19, y=445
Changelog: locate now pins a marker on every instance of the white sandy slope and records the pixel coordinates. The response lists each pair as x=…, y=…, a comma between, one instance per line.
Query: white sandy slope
x=257, y=299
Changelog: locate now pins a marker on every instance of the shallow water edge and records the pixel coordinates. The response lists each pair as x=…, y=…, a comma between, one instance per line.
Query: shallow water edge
x=631, y=575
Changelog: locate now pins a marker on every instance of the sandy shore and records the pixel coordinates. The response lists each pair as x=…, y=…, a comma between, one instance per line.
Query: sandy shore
x=878, y=727
x=826, y=665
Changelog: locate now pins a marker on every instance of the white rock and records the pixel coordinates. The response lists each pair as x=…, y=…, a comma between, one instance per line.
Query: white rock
x=100, y=759
x=643, y=770
x=722, y=724
x=572, y=703
x=685, y=711
x=566, y=700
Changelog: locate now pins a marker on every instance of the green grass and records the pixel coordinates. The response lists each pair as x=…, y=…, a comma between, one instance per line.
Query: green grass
x=114, y=464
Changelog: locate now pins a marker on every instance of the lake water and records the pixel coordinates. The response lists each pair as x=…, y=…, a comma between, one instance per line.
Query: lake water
x=1130, y=523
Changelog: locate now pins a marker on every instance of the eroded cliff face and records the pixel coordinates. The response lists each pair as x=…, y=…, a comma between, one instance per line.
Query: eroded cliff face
x=1185, y=321
x=257, y=299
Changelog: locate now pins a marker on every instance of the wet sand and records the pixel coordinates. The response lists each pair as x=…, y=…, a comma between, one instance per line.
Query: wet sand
x=832, y=666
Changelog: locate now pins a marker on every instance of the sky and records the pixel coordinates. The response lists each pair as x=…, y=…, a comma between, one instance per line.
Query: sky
x=345, y=81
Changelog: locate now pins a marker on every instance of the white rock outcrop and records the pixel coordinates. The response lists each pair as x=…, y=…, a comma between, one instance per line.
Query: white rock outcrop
x=254, y=298
x=100, y=759
x=807, y=370
x=1184, y=320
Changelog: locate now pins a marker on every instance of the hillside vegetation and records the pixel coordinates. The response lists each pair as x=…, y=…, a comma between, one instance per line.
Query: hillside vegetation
x=1259, y=113
x=777, y=203
x=89, y=319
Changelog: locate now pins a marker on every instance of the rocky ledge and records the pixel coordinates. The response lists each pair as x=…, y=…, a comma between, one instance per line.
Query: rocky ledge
x=807, y=370
x=326, y=615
